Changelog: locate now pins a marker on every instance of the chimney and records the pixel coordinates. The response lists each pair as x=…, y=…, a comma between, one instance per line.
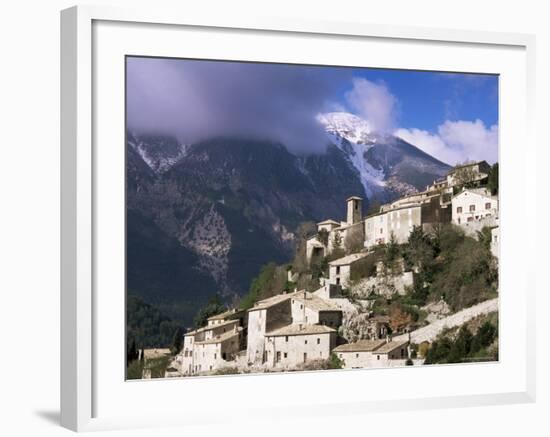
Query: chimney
x=355, y=214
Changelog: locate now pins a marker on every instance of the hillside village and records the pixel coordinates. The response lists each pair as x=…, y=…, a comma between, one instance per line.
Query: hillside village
x=337, y=311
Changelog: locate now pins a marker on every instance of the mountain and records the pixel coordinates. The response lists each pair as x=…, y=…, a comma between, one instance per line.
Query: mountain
x=388, y=166
x=203, y=218
x=227, y=207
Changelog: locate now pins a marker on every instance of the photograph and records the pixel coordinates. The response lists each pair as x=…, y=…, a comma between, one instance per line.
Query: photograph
x=295, y=217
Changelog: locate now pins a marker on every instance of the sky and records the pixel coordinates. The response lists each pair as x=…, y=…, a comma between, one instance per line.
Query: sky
x=451, y=116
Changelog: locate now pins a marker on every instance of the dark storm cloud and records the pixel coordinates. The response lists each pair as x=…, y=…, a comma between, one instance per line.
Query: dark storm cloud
x=196, y=100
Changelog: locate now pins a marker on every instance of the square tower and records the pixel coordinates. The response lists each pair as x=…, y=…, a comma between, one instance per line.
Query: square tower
x=355, y=207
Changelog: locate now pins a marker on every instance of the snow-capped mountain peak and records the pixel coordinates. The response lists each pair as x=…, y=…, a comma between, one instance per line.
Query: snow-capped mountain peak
x=353, y=135
x=348, y=126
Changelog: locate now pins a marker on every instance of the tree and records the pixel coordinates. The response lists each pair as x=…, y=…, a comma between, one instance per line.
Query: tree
x=461, y=346
x=337, y=240
x=399, y=318
x=465, y=176
x=177, y=342
x=322, y=237
x=485, y=335
x=391, y=251
x=492, y=183
x=213, y=307
x=485, y=236
x=335, y=362
x=132, y=352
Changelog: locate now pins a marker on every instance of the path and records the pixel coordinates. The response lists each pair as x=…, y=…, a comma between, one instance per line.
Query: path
x=430, y=332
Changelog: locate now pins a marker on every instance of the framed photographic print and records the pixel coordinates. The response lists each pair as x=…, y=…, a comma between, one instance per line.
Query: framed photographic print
x=283, y=216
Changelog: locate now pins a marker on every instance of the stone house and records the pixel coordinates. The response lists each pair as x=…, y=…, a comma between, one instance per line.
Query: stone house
x=475, y=204
x=211, y=347
x=343, y=234
x=340, y=270
x=478, y=172
x=265, y=316
x=377, y=327
x=296, y=344
x=372, y=353
x=392, y=353
x=310, y=309
x=398, y=218
x=287, y=329
x=232, y=314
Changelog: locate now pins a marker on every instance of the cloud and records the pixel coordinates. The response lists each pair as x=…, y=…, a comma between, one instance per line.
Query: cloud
x=197, y=100
x=374, y=102
x=456, y=141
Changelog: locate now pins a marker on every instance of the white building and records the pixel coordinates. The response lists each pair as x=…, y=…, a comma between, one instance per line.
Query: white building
x=311, y=309
x=300, y=326
x=343, y=234
x=472, y=205
x=266, y=315
x=372, y=353
x=210, y=348
x=340, y=270
x=297, y=344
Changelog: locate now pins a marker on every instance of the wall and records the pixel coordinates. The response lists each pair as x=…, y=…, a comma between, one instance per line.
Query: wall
x=296, y=346
x=29, y=87
x=401, y=222
x=466, y=199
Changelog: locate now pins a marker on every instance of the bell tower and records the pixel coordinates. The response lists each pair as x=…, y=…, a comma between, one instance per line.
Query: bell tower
x=355, y=210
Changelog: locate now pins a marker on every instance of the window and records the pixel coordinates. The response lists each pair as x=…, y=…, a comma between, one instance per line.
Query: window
x=341, y=355
x=458, y=209
x=337, y=270
x=356, y=355
x=470, y=219
x=472, y=208
x=301, y=307
x=377, y=357
x=215, y=356
x=285, y=355
x=337, y=281
x=278, y=356
x=488, y=205
x=318, y=341
x=402, y=352
x=305, y=357
x=286, y=338
x=381, y=230
x=305, y=341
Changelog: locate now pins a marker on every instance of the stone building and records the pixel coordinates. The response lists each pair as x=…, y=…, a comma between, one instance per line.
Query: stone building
x=474, y=173
x=265, y=316
x=475, y=204
x=426, y=209
x=346, y=235
x=309, y=308
x=289, y=329
x=372, y=353
x=297, y=344
x=340, y=270
x=211, y=347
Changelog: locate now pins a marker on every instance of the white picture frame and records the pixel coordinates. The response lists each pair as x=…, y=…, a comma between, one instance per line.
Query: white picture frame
x=82, y=368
